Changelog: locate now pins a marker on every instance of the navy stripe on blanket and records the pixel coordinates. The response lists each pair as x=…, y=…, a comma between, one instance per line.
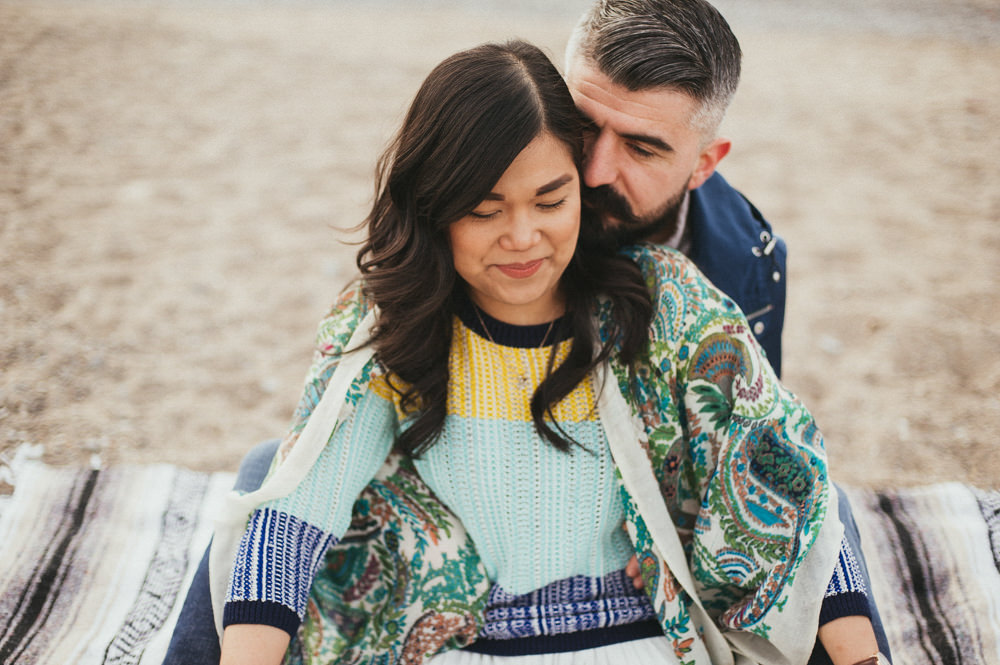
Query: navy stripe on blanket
x=165, y=575
x=34, y=605
x=935, y=576
x=989, y=504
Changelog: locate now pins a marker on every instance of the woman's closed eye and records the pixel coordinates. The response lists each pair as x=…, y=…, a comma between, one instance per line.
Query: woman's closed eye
x=545, y=207
x=555, y=205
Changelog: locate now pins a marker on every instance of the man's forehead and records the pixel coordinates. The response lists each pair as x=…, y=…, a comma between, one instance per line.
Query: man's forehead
x=596, y=93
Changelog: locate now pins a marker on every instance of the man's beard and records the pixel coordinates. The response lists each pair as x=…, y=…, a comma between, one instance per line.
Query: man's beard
x=629, y=228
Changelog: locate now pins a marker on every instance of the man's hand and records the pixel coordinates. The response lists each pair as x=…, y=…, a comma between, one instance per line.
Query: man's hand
x=632, y=570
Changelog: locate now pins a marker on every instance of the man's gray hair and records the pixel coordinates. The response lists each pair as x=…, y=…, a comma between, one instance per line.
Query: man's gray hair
x=684, y=45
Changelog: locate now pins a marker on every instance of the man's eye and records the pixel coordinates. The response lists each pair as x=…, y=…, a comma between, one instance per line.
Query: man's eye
x=639, y=150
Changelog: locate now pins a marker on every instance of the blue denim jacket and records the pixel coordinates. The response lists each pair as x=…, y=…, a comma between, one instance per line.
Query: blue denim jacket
x=738, y=251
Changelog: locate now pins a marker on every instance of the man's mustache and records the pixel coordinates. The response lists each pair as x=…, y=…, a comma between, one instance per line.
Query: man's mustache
x=606, y=202
x=618, y=221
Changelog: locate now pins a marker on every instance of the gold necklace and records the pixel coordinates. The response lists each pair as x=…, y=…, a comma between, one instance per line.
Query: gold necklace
x=523, y=381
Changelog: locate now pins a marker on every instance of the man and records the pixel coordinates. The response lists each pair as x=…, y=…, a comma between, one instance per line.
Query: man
x=654, y=78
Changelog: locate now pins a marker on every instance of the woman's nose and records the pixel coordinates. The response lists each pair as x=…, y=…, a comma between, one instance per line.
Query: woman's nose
x=521, y=233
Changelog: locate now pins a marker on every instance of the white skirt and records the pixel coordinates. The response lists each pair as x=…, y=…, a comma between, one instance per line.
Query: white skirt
x=645, y=651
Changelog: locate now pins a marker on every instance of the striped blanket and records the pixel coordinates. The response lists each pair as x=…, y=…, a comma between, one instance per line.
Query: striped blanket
x=94, y=564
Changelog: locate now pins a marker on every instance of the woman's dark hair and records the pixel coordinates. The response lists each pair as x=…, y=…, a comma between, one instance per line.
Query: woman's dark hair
x=472, y=116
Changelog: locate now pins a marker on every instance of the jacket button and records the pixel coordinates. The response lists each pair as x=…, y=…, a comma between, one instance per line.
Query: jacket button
x=758, y=328
x=776, y=276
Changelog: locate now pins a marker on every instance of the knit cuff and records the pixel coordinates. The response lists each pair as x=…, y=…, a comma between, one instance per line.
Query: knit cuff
x=257, y=612
x=850, y=603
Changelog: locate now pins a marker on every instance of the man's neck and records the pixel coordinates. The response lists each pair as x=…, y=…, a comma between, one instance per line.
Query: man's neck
x=679, y=239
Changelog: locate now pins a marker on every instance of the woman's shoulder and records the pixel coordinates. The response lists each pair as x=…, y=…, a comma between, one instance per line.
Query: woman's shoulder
x=685, y=302
x=669, y=274
x=658, y=262
x=343, y=318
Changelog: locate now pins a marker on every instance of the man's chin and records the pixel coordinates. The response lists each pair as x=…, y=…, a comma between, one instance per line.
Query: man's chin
x=628, y=229
x=617, y=224
x=613, y=224
x=621, y=222
x=629, y=233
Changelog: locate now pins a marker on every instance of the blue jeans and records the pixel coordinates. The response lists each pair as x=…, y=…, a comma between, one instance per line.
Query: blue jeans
x=196, y=642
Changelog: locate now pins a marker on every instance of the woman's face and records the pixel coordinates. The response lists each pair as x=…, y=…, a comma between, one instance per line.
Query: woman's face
x=513, y=248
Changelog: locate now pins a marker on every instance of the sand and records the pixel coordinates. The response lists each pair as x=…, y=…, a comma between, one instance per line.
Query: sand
x=173, y=178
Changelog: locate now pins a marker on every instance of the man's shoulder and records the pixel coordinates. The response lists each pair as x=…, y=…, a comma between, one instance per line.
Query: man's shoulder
x=718, y=210
x=736, y=248
x=727, y=231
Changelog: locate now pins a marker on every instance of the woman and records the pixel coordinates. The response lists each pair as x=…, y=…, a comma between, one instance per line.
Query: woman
x=534, y=402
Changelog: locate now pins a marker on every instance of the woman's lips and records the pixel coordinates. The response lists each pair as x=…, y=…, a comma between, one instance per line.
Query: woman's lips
x=520, y=270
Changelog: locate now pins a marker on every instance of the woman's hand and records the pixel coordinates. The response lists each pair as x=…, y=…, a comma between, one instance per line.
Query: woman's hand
x=848, y=640
x=248, y=644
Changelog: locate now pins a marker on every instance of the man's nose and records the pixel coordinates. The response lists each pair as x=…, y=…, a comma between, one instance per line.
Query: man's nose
x=600, y=161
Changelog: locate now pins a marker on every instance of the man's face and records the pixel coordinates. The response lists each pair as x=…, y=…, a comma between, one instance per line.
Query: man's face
x=641, y=155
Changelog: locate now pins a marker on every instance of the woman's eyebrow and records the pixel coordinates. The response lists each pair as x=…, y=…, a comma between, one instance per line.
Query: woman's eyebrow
x=544, y=189
x=554, y=185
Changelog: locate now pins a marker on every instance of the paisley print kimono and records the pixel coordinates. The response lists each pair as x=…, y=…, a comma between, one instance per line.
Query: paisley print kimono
x=721, y=469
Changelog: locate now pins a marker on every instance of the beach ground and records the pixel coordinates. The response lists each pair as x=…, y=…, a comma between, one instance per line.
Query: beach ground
x=173, y=178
